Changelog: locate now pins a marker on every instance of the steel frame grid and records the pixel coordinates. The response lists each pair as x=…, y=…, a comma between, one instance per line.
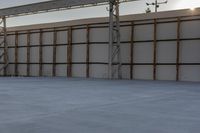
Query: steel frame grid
x=130, y=23
x=55, y=5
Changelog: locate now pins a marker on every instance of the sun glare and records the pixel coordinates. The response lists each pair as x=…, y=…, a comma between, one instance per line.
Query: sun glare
x=190, y=4
x=192, y=8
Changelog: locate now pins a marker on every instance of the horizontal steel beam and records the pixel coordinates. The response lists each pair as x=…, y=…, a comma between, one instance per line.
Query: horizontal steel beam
x=52, y=5
x=46, y=6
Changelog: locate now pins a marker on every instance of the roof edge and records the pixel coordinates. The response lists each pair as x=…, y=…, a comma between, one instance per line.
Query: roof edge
x=133, y=17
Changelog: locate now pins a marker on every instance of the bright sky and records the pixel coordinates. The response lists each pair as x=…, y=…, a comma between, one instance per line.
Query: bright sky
x=128, y=8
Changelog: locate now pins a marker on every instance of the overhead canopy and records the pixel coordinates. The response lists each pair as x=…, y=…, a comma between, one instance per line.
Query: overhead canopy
x=51, y=5
x=45, y=6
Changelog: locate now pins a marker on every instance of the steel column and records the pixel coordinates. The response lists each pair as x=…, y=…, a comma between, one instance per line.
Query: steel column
x=3, y=43
x=114, y=58
x=16, y=53
x=178, y=49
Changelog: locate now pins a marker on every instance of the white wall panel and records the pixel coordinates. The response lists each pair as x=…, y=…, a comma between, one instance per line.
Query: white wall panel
x=163, y=50
x=79, y=53
x=190, y=29
x=35, y=39
x=126, y=72
x=98, y=71
x=11, y=40
x=99, y=34
x=79, y=35
x=47, y=70
x=143, y=72
x=125, y=33
x=34, y=70
x=11, y=54
x=190, y=52
x=190, y=73
x=61, y=70
x=11, y=69
x=22, y=55
x=99, y=53
x=22, y=40
x=22, y=69
x=166, y=72
x=78, y=70
x=167, y=31
x=62, y=37
x=34, y=54
x=143, y=32
x=47, y=38
x=61, y=54
x=125, y=52
x=143, y=52
x=48, y=54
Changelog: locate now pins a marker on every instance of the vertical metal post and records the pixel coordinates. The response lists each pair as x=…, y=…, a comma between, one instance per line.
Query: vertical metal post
x=118, y=36
x=5, y=46
x=111, y=4
x=69, y=53
x=16, y=53
x=54, y=52
x=41, y=54
x=4, y=53
x=114, y=41
x=178, y=49
x=28, y=54
x=132, y=50
x=88, y=52
x=155, y=50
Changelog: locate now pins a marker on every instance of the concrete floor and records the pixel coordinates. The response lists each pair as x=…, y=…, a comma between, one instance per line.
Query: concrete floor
x=57, y=105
